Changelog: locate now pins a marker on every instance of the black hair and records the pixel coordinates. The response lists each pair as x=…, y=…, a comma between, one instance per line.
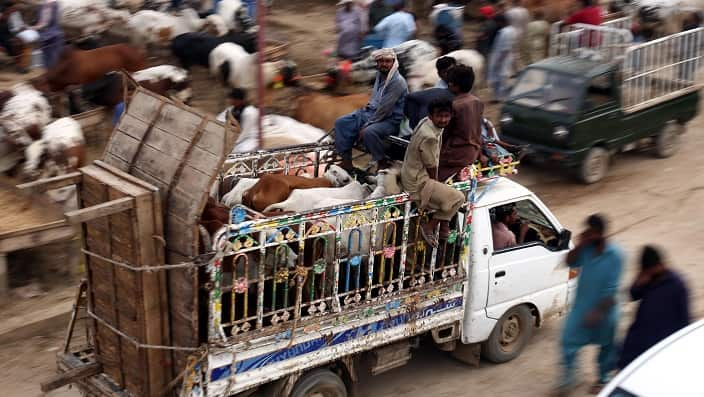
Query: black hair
x=586, y=3
x=444, y=63
x=238, y=93
x=501, y=20
x=500, y=213
x=650, y=257
x=462, y=76
x=597, y=223
x=440, y=105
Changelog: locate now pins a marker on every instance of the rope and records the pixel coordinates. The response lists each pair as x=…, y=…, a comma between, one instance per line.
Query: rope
x=134, y=341
x=183, y=373
x=183, y=265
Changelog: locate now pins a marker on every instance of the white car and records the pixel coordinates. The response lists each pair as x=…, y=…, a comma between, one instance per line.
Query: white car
x=671, y=368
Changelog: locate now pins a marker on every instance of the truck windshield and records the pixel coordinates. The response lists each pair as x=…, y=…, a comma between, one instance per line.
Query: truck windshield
x=548, y=90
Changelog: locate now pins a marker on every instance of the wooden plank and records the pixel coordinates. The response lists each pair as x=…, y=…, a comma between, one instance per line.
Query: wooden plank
x=179, y=121
x=121, y=174
x=36, y=238
x=144, y=105
x=133, y=127
x=204, y=161
x=122, y=146
x=180, y=235
x=42, y=185
x=107, y=343
x=160, y=165
x=165, y=142
x=71, y=376
x=100, y=210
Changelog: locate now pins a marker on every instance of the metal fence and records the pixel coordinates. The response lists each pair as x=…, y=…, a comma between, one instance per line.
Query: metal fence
x=661, y=69
x=599, y=42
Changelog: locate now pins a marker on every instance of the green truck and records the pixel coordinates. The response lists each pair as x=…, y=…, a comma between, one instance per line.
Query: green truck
x=601, y=94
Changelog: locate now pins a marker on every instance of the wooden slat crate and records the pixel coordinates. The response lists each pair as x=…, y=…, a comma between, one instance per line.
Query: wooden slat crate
x=180, y=152
x=130, y=305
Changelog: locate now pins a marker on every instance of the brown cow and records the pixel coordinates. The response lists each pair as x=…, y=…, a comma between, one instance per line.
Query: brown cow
x=275, y=188
x=75, y=67
x=321, y=111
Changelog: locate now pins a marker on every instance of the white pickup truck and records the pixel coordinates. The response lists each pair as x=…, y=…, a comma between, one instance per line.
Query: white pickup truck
x=364, y=287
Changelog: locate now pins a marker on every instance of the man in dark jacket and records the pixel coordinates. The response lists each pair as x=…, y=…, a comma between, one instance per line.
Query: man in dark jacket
x=663, y=310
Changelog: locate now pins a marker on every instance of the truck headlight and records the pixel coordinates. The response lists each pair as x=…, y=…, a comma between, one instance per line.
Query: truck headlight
x=560, y=132
x=506, y=118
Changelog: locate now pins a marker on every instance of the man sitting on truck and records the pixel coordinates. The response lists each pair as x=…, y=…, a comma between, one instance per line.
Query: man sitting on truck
x=419, y=175
x=462, y=139
x=379, y=119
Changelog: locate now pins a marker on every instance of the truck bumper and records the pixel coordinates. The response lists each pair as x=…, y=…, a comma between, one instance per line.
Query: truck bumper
x=545, y=154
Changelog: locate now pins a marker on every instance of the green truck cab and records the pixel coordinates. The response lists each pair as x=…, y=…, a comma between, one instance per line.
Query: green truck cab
x=576, y=111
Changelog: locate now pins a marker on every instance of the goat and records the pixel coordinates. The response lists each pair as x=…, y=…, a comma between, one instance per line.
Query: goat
x=272, y=189
x=302, y=200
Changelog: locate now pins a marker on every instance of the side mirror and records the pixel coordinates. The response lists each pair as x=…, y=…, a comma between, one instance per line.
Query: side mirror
x=564, y=239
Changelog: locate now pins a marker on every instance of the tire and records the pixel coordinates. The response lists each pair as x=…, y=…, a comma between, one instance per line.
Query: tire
x=595, y=165
x=319, y=383
x=667, y=142
x=510, y=335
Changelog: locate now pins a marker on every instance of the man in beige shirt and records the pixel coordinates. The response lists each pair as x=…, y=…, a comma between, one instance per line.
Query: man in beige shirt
x=420, y=171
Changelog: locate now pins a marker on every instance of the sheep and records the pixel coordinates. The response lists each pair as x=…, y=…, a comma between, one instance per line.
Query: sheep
x=238, y=68
x=301, y=200
x=90, y=17
x=234, y=14
x=279, y=131
x=24, y=114
x=425, y=74
x=387, y=183
x=166, y=78
x=62, y=144
x=154, y=27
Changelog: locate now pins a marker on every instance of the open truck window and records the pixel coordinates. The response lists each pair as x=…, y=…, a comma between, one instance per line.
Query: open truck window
x=600, y=92
x=540, y=229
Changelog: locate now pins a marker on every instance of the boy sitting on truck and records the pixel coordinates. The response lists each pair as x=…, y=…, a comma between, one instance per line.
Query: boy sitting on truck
x=419, y=175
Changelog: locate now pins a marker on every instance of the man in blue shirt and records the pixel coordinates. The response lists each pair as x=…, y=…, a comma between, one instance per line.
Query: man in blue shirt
x=663, y=310
x=379, y=119
x=398, y=27
x=594, y=315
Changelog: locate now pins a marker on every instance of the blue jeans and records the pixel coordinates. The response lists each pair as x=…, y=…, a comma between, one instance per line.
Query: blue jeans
x=347, y=130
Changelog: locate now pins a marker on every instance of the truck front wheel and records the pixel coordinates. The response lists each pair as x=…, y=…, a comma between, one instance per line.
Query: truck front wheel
x=319, y=383
x=595, y=165
x=668, y=140
x=510, y=335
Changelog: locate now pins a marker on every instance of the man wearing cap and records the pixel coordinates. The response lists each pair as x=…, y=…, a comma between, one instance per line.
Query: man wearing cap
x=380, y=118
x=487, y=30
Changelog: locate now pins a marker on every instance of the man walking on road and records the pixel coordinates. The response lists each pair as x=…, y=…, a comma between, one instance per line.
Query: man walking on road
x=663, y=310
x=595, y=313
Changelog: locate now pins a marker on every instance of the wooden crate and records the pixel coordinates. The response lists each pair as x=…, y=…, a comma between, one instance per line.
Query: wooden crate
x=119, y=224
x=180, y=151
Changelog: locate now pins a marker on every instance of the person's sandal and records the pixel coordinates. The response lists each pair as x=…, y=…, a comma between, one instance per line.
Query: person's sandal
x=429, y=238
x=596, y=388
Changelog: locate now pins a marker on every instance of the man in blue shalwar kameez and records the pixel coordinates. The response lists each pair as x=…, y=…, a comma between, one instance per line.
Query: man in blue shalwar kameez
x=594, y=315
x=379, y=119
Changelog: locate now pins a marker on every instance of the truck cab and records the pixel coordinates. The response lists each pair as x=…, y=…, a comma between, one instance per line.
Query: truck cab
x=514, y=288
x=579, y=108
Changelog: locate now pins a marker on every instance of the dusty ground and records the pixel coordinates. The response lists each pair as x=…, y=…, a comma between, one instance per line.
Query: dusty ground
x=648, y=200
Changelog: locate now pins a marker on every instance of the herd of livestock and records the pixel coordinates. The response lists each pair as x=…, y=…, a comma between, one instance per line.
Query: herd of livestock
x=224, y=42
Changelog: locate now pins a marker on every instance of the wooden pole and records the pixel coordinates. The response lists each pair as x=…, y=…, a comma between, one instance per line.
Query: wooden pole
x=261, y=47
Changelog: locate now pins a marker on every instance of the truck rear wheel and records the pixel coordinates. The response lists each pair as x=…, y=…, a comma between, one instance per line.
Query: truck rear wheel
x=510, y=335
x=319, y=383
x=668, y=140
x=594, y=166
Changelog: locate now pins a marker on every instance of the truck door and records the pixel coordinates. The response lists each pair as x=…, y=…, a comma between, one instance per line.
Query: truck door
x=602, y=116
x=533, y=270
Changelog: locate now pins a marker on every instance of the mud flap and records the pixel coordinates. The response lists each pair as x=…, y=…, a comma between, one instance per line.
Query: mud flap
x=468, y=354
